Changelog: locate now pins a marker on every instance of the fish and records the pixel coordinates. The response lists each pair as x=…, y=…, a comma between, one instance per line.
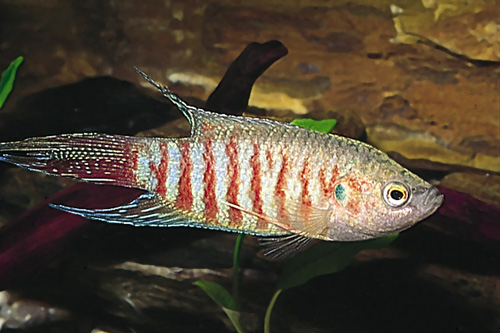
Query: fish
x=285, y=184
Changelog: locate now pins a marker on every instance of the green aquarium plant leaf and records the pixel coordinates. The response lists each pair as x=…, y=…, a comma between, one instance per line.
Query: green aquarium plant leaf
x=323, y=126
x=229, y=303
x=236, y=269
x=325, y=258
x=217, y=293
x=270, y=307
x=224, y=299
x=236, y=319
x=7, y=81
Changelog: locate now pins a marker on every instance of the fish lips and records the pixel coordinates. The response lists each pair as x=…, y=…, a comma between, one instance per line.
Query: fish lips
x=426, y=200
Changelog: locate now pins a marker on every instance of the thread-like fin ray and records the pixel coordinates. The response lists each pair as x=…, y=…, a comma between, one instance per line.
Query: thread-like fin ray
x=284, y=247
x=244, y=210
x=148, y=210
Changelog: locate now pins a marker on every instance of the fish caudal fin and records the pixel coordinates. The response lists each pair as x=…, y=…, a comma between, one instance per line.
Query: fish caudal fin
x=99, y=158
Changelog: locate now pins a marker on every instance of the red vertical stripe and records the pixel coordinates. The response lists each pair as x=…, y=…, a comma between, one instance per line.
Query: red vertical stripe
x=280, y=188
x=334, y=178
x=269, y=158
x=209, y=197
x=256, y=185
x=328, y=185
x=305, y=173
x=304, y=176
x=128, y=173
x=185, y=196
x=322, y=181
x=233, y=171
x=160, y=171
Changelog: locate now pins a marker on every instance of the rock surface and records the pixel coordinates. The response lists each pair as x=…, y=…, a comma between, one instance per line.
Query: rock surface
x=438, y=98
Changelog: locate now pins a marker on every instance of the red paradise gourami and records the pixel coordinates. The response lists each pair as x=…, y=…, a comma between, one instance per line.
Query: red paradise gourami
x=256, y=176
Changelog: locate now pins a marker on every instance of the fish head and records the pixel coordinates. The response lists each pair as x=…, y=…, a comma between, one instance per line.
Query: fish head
x=380, y=203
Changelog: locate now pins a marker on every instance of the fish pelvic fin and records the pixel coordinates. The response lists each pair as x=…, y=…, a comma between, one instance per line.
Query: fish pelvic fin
x=148, y=210
x=284, y=247
x=98, y=158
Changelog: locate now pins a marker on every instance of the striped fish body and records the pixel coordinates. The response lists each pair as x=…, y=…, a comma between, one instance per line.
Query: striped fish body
x=240, y=174
x=244, y=175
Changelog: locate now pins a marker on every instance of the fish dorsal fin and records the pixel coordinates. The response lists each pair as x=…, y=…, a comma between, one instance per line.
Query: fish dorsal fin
x=148, y=210
x=284, y=247
x=188, y=111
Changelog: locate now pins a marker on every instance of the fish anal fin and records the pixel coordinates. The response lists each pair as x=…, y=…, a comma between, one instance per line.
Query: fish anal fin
x=148, y=210
x=284, y=247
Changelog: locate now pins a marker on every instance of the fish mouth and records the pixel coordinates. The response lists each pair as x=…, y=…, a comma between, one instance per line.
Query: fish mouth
x=430, y=200
x=433, y=198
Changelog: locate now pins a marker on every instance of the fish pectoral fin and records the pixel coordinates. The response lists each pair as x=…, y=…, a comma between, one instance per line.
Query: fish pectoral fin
x=302, y=219
x=146, y=210
x=284, y=247
x=306, y=220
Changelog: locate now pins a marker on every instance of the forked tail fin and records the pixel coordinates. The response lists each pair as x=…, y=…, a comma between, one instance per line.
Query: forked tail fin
x=99, y=158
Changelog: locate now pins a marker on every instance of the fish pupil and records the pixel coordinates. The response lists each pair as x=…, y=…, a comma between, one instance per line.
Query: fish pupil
x=397, y=195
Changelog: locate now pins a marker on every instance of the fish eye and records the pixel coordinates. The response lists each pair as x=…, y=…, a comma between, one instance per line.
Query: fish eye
x=396, y=194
